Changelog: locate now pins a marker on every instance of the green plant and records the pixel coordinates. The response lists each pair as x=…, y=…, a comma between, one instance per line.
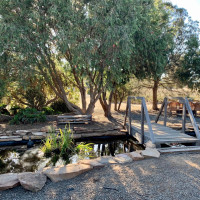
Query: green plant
x=84, y=150
x=48, y=111
x=28, y=116
x=61, y=145
x=60, y=106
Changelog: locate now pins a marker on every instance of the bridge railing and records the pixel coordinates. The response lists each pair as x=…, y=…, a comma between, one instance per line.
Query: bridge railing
x=144, y=114
x=186, y=106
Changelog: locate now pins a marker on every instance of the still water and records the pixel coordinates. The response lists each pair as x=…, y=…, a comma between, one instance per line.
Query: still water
x=21, y=159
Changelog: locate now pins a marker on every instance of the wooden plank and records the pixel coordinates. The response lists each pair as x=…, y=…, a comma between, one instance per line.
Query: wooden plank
x=184, y=118
x=74, y=116
x=178, y=149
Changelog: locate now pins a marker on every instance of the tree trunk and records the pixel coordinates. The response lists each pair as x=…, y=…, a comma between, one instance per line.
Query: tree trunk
x=83, y=99
x=115, y=99
x=106, y=106
x=155, y=95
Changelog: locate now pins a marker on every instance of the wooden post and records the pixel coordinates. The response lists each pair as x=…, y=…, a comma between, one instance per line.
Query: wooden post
x=142, y=123
x=196, y=128
x=165, y=111
x=129, y=115
x=160, y=112
x=148, y=120
x=126, y=115
x=183, y=118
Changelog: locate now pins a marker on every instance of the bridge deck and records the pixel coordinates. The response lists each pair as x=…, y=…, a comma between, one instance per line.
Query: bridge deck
x=162, y=134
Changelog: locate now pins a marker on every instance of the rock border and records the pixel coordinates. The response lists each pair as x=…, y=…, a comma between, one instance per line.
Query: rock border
x=65, y=172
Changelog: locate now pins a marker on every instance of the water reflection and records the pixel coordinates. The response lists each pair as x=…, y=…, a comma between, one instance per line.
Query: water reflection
x=21, y=160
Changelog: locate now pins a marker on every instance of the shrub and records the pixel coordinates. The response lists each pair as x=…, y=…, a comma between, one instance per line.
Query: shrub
x=28, y=116
x=48, y=111
x=35, y=98
x=60, y=106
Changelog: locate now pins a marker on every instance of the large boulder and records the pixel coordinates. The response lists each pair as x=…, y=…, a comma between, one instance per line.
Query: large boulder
x=150, y=152
x=32, y=181
x=65, y=172
x=92, y=162
x=8, y=181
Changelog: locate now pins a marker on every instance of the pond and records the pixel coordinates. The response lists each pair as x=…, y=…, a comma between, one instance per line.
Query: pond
x=20, y=159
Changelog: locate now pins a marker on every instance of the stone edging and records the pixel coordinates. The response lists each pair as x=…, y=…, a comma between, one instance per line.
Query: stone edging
x=35, y=181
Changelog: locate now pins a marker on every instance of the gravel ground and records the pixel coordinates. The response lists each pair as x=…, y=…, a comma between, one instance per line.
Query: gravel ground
x=171, y=177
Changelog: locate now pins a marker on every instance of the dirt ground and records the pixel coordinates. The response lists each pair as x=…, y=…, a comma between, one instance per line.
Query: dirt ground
x=99, y=120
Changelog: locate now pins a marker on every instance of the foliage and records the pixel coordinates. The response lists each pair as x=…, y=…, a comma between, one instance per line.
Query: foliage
x=35, y=98
x=49, y=111
x=61, y=145
x=59, y=106
x=15, y=109
x=28, y=116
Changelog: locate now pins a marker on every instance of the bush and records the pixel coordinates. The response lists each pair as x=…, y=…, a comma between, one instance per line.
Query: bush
x=49, y=111
x=28, y=116
x=60, y=106
x=35, y=98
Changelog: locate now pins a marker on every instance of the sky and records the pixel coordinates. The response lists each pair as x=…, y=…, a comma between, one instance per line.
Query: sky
x=192, y=6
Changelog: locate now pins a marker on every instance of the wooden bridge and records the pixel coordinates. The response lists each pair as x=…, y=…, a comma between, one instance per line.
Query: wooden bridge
x=156, y=133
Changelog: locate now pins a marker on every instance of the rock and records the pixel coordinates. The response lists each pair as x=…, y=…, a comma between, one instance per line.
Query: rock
x=149, y=144
x=32, y=181
x=123, y=158
x=10, y=138
x=33, y=137
x=65, y=172
x=21, y=132
x=149, y=152
x=136, y=155
x=93, y=162
x=39, y=134
x=9, y=133
x=8, y=181
x=106, y=160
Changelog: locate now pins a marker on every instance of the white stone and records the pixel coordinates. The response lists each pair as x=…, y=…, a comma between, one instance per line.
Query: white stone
x=8, y=181
x=32, y=181
x=106, y=160
x=150, y=152
x=65, y=172
x=123, y=158
x=93, y=162
x=136, y=155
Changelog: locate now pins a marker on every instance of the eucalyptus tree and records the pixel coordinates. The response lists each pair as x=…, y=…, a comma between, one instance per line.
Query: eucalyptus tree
x=69, y=42
x=154, y=43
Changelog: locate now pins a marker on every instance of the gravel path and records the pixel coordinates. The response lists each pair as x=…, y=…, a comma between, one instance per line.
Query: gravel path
x=167, y=178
